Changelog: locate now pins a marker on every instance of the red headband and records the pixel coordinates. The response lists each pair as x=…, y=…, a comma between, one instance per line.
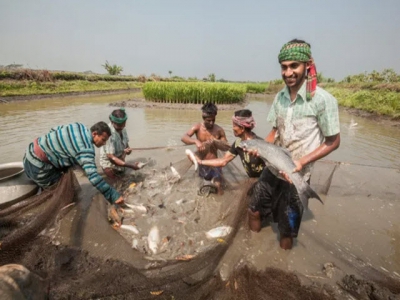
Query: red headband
x=246, y=122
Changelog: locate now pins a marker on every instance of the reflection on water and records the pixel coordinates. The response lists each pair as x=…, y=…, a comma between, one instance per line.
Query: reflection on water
x=365, y=143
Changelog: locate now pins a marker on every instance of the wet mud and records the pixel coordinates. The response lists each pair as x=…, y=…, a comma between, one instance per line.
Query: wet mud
x=142, y=103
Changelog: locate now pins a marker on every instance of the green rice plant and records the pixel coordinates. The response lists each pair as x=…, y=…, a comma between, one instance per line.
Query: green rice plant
x=256, y=88
x=194, y=92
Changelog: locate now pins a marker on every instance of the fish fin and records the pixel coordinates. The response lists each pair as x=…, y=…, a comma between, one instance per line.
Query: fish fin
x=307, y=193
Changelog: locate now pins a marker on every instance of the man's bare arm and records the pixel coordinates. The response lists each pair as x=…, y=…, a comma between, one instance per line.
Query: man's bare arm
x=223, y=135
x=115, y=160
x=216, y=162
x=270, y=138
x=187, y=137
x=188, y=140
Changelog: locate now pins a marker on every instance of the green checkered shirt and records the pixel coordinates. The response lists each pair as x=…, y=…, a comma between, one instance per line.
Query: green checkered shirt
x=115, y=145
x=303, y=125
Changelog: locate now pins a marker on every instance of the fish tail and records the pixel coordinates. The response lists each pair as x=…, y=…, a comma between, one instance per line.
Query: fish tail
x=307, y=193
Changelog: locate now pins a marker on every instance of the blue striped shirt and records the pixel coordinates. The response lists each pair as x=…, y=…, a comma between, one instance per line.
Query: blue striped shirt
x=69, y=145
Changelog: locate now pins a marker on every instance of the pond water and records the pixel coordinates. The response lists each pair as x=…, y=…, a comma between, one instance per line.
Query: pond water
x=366, y=143
x=358, y=221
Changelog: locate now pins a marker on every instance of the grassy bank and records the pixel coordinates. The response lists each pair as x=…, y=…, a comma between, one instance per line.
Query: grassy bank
x=32, y=87
x=382, y=99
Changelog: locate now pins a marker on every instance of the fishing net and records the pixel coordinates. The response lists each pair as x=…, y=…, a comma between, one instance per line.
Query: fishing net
x=23, y=221
x=80, y=255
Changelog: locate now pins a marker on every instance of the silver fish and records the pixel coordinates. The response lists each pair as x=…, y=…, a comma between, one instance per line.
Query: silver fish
x=280, y=159
x=139, y=208
x=175, y=172
x=190, y=154
x=153, y=239
x=135, y=244
x=130, y=228
x=218, y=232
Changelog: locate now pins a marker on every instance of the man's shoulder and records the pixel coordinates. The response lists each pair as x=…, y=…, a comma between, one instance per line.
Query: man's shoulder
x=322, y=94
x=279, y=95
x=196, y=126
x=219, y=128
x=71, y=126
x=236, y=144
x=76, y=125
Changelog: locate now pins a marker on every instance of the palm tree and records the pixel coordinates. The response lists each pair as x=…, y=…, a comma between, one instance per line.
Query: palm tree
x=170, y=73
x=211, y=77
x=112, y=69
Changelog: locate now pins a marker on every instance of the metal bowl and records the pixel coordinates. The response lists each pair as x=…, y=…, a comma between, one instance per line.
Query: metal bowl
x=15, y=186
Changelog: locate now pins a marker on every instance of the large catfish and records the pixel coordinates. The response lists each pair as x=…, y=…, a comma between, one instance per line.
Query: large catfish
x=280, y=159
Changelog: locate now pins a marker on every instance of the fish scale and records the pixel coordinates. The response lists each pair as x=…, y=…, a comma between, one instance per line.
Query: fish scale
x=279, y=159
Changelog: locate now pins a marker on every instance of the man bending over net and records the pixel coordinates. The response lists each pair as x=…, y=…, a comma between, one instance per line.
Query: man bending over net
x=48, y=156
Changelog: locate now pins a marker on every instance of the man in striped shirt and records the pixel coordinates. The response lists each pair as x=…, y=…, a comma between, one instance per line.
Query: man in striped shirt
x=64, y=146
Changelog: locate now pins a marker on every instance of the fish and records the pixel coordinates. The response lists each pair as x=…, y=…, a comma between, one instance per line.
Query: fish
x=140, y=164
x=185, y=257
x=139, y=208
x=175, y=172
x=219, y=232
x=153, y=239
x=130, y=228
x=280, y=159
x=191, y=156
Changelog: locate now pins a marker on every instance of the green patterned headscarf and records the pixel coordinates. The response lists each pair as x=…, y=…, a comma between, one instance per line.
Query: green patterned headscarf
x=119, y=120
x=295, y=51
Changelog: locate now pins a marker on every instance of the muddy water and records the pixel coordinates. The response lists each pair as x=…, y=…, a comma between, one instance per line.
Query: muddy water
x=365, y=143
x=358, y=227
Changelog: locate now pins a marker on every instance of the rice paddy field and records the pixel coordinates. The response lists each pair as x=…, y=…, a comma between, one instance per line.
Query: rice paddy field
x=194, y=92
x=377, y=93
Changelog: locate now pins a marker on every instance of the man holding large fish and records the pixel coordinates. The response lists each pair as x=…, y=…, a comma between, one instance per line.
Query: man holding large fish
x=305, y=120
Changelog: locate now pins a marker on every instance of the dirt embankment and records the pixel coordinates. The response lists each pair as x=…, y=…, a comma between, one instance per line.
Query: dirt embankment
x=142, y=103
x=8, y=99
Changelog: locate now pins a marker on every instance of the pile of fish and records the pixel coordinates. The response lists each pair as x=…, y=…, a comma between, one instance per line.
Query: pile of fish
x=165, y=218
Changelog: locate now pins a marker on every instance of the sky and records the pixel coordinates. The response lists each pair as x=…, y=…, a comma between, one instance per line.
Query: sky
x=235, y=40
